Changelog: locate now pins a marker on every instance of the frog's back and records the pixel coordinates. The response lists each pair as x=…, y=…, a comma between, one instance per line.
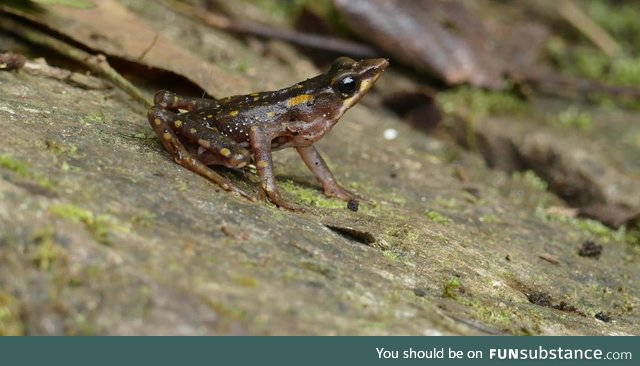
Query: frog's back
x=234, y=115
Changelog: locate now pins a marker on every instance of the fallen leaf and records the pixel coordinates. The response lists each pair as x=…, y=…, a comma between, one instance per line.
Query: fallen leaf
x=112, y=29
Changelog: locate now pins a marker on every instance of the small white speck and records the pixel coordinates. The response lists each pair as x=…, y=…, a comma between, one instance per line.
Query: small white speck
x=390, y=134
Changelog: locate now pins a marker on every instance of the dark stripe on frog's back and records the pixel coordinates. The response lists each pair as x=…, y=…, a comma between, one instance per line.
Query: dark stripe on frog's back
x=238, y=113
x=310, y=86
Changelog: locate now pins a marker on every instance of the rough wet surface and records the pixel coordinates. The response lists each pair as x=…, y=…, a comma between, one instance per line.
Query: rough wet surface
x=101, y=233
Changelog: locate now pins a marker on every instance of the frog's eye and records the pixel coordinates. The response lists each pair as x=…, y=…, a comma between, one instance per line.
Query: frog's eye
x=347, y=85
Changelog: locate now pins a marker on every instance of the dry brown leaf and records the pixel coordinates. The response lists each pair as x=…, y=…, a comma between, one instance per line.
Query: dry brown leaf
x=112, y=29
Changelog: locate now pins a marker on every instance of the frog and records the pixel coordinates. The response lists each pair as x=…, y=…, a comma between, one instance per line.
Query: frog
x=240, y=130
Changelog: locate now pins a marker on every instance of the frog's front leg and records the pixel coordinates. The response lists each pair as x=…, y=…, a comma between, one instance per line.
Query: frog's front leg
x=165, y=123
x=316, y=164
x=260, y=138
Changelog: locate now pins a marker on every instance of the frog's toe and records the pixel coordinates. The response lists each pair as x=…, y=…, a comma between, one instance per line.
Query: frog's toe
x=289, y=206
x=244, y=194
x=341, y=193
x=277, y=200
x=238, y=159
x=163, y=98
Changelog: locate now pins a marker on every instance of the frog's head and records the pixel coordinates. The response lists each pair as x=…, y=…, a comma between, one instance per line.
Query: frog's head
x=351, y=80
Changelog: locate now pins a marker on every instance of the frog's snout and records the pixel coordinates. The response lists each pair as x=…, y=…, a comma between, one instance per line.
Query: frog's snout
x=374, y=66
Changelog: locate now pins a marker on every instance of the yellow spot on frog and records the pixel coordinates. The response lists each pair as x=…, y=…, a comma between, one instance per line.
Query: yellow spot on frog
x=210, y=116
x=233, y=113
x=302, y=98
x=225, y=152
x=261, y=164
x=254, y=94
x=192, y=131
x=176, y=99
x=204, y=143
x=256, y=98
x=178, y=123
x=166, y=136
x=157, y=121
x=271, y=114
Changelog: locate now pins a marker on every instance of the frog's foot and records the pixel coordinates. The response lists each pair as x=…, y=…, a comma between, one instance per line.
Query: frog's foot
x=173, y=102
x=277, y=200
x=316, y=164
x=334, y=190
x=164, y=124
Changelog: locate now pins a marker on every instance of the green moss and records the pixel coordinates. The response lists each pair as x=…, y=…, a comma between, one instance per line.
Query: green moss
x=392, y=254
x=401, y=233
x=144, y=218
x=588, y=62
x=573, y=118
x=478, y=104
x=82, y=326
x=311, y=197
x=47, y=251
x=10, y=319
x=490, y=315
x=633, y=139
x=475, y=104
x=451, y=288
x=93, y=118
x=246, y=281
x=229, y=311
x=283, y=10
x=585, y=60
x=620, y=19
x=399, y=200
x=100, y=226
x=22, y=169
x=450, y=203
x=591, y=228
x=176, y=268
x=531, y=179
x=437, y=217
x=62, y=149
x=490, y=219
x=319, y=267
x=145, y=292
x=15, y=165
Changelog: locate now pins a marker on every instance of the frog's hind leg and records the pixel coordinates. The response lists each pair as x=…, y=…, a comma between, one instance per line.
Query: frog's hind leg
x=163, y=123
x=223, y=150
x=172, y=101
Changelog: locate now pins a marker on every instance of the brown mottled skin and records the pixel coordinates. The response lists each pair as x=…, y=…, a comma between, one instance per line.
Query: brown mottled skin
x=235, y=130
